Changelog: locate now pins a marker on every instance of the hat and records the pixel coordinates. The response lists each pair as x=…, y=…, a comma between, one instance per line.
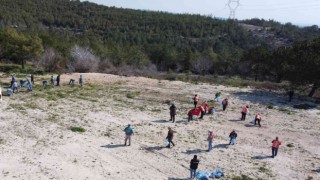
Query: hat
x=277, y=137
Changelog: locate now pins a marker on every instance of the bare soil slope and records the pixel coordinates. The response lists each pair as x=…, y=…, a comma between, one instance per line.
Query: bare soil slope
x=36, y=141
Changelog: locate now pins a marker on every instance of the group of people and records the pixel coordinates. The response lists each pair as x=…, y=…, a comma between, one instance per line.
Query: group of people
x=29, y=82
x=202, y=109
x=14, y=85
x=57, y=80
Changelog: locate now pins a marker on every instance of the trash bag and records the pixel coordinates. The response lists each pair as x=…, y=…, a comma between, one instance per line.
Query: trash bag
x=253, y=121
x=9, y=91
x=202, y=175
x=167, y=142
x=217, y=174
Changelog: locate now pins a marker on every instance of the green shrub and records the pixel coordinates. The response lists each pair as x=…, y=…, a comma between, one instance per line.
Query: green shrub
x=304, y=106
x=77, y=129
x=242, y=177
x=290, y=145
x=270, y=106
x=132, y=95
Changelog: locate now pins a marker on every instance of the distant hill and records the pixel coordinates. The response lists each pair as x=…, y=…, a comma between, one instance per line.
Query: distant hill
x=171, y=41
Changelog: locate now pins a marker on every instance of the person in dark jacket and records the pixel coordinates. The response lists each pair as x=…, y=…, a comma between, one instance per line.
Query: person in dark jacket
x=290, y=93
x=195, y=100
x=32, y=79
x=233, y=135
x=194, y=166
x=170, y=137
x=225, y=104
x=173, y=112
x=58, y=80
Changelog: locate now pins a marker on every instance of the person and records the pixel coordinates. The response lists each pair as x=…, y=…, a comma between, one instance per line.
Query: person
x=13, y=79
x=233, y=135
x=52, y=81
x=15, y=86
x=202, y=112
x=170, y=137
x=32, y=79
x=257, y=118
x=291, y=93
x=275, y=146
x=58, y=80
x=44, y=83
x=210, y=139
x=71, y=82
x=173, y=112
x=244, y=112
x=194, y=166
x=190, y=115
x=205, y=107
x=29, y=85
x=195, y=100
x=128, y=133
x=81, y=80
x=224, y=104
x=217, y=96
x=0, y=95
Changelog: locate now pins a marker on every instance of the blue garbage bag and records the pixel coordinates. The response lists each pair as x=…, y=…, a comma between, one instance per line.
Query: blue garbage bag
x=167, y=142
x=202, y=175
x=217, y=173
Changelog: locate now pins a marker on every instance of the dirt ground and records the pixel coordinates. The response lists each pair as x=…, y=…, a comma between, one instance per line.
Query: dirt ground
x=36, y=141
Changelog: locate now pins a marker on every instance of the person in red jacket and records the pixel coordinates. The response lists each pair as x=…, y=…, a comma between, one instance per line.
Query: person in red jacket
x=275, y=146
x=257, y=118
x=195, y=100
x=244, y=112
x=210, y=139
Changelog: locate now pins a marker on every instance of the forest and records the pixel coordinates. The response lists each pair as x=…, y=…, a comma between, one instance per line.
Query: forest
x=74, y=36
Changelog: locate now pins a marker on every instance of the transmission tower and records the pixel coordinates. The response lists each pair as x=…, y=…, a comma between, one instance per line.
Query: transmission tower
x=233, y=5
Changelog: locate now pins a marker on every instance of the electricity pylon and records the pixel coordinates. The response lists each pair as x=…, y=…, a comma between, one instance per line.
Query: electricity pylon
x=233, y=5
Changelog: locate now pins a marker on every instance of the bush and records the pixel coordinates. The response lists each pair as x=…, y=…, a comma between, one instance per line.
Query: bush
x=290, y=145
x=304, y=106
x=132, y=95
x=77, y=129
x=242, y=177
x=270, y=106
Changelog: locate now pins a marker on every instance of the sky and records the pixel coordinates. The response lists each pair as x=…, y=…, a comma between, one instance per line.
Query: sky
x=298, y=12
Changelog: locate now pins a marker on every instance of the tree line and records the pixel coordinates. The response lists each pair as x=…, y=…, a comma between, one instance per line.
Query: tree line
x=300, y=64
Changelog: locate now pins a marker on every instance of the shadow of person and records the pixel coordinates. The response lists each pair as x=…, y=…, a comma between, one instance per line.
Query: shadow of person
x=221, y=146
x=194, y=151
x=161, y=121
x=113, y=146
x=261, y=157
x=235, y=120
x=171, y=178
x=155, y=148
x=316, y=170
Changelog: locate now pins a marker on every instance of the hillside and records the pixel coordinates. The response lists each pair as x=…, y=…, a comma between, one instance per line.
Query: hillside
x=36, y=141
x=170, y=41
